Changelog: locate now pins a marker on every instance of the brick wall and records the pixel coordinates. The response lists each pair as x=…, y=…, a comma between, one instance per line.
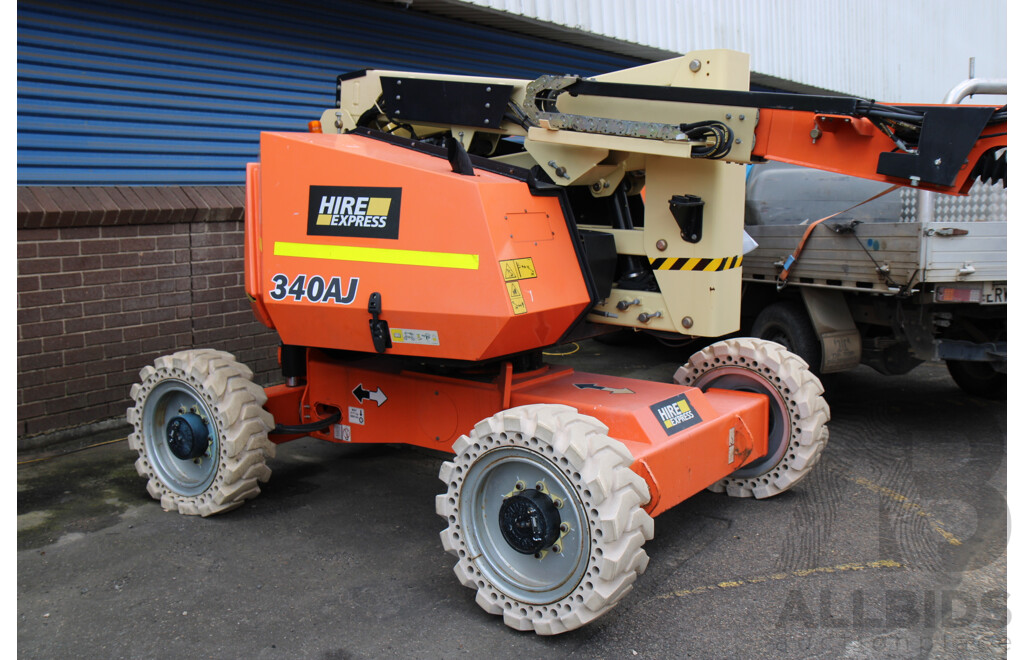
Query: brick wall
x=97, y=302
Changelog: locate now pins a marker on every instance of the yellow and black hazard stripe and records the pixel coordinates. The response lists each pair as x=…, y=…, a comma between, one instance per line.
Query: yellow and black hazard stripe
x=696, y=263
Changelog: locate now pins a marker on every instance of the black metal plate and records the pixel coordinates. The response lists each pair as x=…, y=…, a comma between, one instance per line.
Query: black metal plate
x=480, y=105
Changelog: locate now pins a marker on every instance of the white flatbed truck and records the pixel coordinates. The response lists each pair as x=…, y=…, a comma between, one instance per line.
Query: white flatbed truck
x=894, y=282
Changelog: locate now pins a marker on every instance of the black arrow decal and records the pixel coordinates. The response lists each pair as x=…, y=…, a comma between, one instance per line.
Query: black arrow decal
x=361, y=394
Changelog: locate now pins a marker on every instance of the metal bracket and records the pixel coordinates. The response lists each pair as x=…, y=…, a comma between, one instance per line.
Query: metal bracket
x=379, y=332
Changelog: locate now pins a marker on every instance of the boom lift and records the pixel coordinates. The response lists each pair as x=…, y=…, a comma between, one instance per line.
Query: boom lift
x=419, y=248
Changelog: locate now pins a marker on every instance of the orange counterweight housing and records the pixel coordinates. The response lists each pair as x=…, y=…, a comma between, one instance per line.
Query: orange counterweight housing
x=467, y=267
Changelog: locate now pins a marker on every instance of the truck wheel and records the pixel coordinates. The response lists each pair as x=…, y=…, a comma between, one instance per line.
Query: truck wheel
x=978, y=378
x=797, y=413
x=787, y=323
x=545, y=517
x=201, y=432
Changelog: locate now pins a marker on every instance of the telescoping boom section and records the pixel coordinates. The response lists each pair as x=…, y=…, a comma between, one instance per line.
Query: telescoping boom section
x=423, y=244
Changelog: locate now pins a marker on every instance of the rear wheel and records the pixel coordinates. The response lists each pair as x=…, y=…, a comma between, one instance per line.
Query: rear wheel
x=797, y=413
x=200, y=431
x=545, y=517
x=978, y=378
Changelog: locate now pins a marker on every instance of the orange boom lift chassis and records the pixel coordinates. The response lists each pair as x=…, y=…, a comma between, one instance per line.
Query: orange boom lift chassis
x=418, y=257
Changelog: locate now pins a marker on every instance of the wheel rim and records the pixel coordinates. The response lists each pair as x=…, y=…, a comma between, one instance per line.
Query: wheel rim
x=168, y=400
x=745, y=380
x=539, y=578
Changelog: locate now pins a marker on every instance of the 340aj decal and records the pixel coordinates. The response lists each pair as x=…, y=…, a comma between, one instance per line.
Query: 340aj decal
x=315, y=289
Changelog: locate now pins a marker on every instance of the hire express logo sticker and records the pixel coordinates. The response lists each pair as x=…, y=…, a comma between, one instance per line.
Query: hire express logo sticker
x=676, y=414
x=358, y=212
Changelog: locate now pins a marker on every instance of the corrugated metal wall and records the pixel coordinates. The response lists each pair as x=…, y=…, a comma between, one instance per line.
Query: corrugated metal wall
x=175, y=93
x=912, y=50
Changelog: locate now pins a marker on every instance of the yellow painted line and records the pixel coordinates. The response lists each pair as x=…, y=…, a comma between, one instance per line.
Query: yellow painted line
x=908, y=504
x=732, y=584
x=378, y=255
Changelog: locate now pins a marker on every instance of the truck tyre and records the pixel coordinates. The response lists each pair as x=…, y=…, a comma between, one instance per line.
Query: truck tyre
x=200, y=431
x=797, y=413
x=978, y=378
x=545, y=517
x=787, y=323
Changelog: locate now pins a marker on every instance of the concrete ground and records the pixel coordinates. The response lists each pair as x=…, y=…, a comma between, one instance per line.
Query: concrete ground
x=895, y=546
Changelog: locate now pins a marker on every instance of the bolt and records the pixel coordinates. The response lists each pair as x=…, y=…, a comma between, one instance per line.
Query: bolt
x=623, y=305
x=728, y=115
x=914, y=181
x=742, y=117
x=540, y=486
x=520, y=485
x=556, y=548
x=695, y=65
x=815, y=133
x=398, y=112
x=564, y=528
x=398, y=97
x=938, y=161
x=693, y=237
x=687, y=322
x=487, y=105
x=488, y=89
x=739, y=141
x=398, y=82
x=662, y=244
x=596, y=187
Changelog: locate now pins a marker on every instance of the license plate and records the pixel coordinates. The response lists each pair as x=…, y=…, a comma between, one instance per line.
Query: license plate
x=993, y=293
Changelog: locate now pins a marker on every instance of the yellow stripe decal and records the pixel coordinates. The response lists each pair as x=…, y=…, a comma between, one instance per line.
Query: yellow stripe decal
x=378, y=255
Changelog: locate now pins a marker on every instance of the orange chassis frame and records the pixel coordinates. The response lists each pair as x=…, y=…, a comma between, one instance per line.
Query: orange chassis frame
x=382, y=403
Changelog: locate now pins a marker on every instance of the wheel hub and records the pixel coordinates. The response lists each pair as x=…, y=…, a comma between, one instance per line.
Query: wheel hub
x=529, y=521
x=187, y=436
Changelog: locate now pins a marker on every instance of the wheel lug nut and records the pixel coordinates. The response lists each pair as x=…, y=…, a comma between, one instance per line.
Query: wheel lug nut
x=556, y=549
x=540, y=486
x=564, y=528
x=520, y=485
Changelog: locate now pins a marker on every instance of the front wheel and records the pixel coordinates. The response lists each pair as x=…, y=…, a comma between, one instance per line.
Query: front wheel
x=200, y=432
x=787, y=323
x=545, y=517
x=797, y=413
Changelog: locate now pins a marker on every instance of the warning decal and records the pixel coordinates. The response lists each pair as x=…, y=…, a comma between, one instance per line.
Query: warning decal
x=514, y=270
x=518, y=269
x=675, y=414
x=515, y=295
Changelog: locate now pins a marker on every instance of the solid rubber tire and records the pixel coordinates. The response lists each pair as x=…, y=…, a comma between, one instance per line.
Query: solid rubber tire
x=611, y=495
x=766, y=364
x=239, y=420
